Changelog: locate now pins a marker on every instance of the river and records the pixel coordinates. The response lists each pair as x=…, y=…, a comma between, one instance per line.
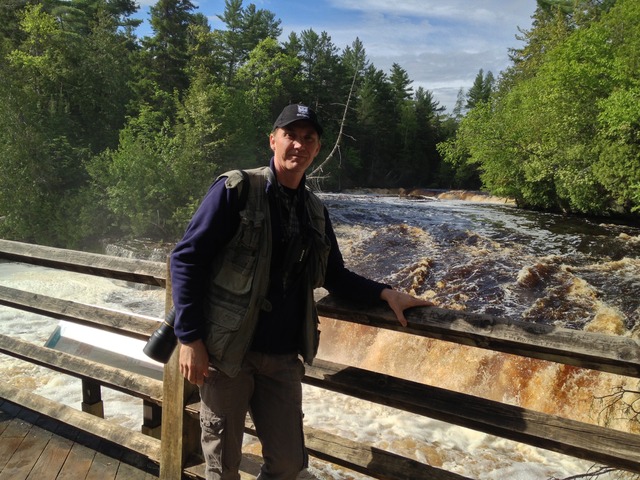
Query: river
x=474, y=256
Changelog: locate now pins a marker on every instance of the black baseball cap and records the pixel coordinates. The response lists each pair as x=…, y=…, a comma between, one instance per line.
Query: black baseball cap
x=295, y=112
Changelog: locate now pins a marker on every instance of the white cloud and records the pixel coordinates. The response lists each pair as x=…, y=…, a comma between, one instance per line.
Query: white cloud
x=441, y=45
x=145, y=3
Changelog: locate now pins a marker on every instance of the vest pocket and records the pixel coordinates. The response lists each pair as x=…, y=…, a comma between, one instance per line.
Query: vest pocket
x=225, y=319
x=235, y=270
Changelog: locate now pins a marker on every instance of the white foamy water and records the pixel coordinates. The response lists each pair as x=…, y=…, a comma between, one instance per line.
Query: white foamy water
x=486, y=259
x=37, y=329
x=456, y=449
x=452, y=448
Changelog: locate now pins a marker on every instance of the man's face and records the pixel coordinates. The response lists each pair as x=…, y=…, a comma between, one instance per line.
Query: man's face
x=294, y=148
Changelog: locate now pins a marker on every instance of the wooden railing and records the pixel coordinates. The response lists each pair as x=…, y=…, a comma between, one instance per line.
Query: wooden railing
x=171, y=406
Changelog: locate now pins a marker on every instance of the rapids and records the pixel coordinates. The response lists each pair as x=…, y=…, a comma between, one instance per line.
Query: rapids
x=478, y=257
x=498, y=260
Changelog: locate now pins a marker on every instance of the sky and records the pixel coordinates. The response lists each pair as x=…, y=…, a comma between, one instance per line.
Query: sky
x=441, y=44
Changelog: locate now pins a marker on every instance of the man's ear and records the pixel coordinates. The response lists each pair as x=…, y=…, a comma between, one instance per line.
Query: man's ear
x=272, y=142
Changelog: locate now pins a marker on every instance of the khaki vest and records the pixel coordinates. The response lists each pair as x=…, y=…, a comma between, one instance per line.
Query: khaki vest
x=239, y=278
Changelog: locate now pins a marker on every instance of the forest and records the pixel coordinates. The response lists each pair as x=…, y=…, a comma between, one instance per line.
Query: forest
x=106, y=134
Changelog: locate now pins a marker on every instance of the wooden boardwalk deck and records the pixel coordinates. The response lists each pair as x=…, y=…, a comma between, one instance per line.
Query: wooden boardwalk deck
x=35, y=447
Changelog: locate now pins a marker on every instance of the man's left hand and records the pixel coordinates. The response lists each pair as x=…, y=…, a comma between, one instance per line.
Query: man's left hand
x=399, y=302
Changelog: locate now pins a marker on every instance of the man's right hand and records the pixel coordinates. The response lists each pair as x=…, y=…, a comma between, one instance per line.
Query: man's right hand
x=194, y=362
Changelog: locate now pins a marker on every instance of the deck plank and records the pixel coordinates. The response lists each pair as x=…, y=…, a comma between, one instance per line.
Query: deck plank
x=78, y=463
x=103, y=467
x=27, y=454
x=52, y=459
x=37, y=447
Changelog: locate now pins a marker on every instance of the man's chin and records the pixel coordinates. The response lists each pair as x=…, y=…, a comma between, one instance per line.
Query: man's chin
x=300, y=164
x=298, y=160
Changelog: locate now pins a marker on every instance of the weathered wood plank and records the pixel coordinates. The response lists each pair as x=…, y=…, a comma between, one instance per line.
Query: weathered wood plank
x=51, y=460
x=78, y=463
x=118, y=379
x=128, y=472
x=14, y=430
x=132, y=270
x=24, y=458
x=371, y=461
x=606, y=353
x=125, y=437
x=20, y=424
x=8, y=411
x=148, y=470
x=180, y=431
x=103, y=467
x=127, y=324
x=577, y=439
x=8, y=446
x=363, y=458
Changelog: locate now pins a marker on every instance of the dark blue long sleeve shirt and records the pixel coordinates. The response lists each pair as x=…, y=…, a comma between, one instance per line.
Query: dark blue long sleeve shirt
x=211, y=227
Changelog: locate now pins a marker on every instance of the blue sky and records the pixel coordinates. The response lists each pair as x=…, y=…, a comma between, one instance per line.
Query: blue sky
x=441, y=44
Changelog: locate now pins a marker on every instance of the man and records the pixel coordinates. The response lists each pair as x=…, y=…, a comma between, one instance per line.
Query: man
x=243, y=277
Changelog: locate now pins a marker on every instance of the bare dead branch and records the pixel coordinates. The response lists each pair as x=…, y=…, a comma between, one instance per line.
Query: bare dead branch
x=336, y=146
x=624, y=399
x=593, y=473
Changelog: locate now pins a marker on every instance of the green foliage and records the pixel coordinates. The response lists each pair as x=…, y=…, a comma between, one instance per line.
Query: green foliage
x=481, y=90
x=246, y=28
x=51, y=122
x=270, y=78
x=152, y=182
x=562, y=131
x=166, y=54
x=121, y=175
x=102, y=133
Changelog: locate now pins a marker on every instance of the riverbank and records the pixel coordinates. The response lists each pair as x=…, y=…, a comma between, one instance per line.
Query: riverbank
x=436, y=194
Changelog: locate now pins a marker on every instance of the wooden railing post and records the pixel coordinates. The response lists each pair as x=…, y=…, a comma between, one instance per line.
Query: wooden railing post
x=180, y=432
x=92, y=398
x=151, y=419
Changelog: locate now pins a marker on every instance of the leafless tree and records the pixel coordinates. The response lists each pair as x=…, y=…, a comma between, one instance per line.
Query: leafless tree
x=593, y=473
x=315, y=175
x=623, y=399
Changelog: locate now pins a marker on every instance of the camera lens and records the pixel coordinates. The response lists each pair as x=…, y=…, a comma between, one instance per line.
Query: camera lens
x=162, y=342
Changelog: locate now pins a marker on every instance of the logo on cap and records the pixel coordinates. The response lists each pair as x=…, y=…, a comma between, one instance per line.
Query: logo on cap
x=303, y=111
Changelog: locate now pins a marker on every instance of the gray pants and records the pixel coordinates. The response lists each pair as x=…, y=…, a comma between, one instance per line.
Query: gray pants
x=269, y=387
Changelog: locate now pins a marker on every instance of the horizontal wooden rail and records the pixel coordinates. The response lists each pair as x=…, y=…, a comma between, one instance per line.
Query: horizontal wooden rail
x=607, y=353
x=618, y=355
x=595, y=351
x=131, y=270
x=118, y=379
x=581, y=440
x=127, y=324
x=356, y=456
x=366, y=459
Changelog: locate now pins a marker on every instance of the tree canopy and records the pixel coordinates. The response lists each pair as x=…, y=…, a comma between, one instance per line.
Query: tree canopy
x=561, y=130
x=104, y=133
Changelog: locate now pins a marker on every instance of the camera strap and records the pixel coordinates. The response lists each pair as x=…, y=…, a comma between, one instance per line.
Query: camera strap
x=244, y=190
